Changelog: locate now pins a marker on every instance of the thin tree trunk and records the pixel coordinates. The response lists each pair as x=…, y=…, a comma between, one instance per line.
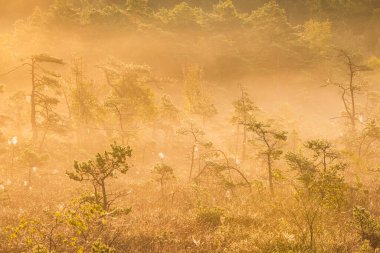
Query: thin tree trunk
x=162, y=186
x=311, y=230
x=105, y=202
x=46, y=128
x=30, y=176
x=192, y=162
x=120, y=124
x=353, y=115
x=67, y=102
x=96, y=194
x=33, y=105
x=237, y=138
x=43, y=138
x=244, y=142
x=270, y=176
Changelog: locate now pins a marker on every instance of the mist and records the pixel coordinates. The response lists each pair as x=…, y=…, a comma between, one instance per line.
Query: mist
x=189, y=126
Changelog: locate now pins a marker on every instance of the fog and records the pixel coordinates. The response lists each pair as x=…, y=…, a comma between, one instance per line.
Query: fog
x=189, y=126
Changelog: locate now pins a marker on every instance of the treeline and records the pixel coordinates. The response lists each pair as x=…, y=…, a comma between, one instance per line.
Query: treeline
x=239, y=36
x=188, y=169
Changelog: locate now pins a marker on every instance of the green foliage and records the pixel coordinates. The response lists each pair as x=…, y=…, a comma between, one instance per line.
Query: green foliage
x=368, y=141
x=320, y=185
x=124, y=78
x=107, y=15
x=84, y=103
x=225, y=9
x=163, y=174
x=168, y=110
x=44, y=97
x=230, y=39
x=163, y=171
x=131, y=100
x=104, y=167
x=99, y=247
x=320, y=175
x=197, y=100
x=87, y=13
x=138, y=7
x=168, y=113
x=262, y=35
x=365, y=248
x=244, y=108
x=270, y=141
x=323, y=152
x=367, y=226
x=182, y=16
x=82, y=217
x=31, y=158
x=244, y=113
x=210, y=217
x=39, y=249
x=72, y=228
x=270, y=21
x=374, y=63
x=225, y=16
x=64, y=11
x=270, y=138
x=268, y=25
x=317, y=35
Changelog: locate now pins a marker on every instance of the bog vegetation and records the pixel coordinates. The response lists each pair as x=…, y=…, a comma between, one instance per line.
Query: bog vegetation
x=190, y=126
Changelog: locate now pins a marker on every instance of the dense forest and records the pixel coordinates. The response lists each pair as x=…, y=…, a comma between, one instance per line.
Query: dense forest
x=190, y=126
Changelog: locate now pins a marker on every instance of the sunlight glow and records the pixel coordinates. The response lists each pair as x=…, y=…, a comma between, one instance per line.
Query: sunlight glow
x=361, y=118
x=13, y=141
x=190, y=126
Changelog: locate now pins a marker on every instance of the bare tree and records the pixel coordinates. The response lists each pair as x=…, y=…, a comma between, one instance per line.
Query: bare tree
x=350, y=87
x=195, y=134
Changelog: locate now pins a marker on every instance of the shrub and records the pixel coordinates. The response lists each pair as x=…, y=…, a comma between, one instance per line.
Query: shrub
x=210, y=216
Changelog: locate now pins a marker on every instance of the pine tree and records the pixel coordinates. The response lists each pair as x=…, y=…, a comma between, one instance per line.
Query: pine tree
x=100, y=170
x=244, y=113
x=43, y=100
x=270, y=140
x=197, y=100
